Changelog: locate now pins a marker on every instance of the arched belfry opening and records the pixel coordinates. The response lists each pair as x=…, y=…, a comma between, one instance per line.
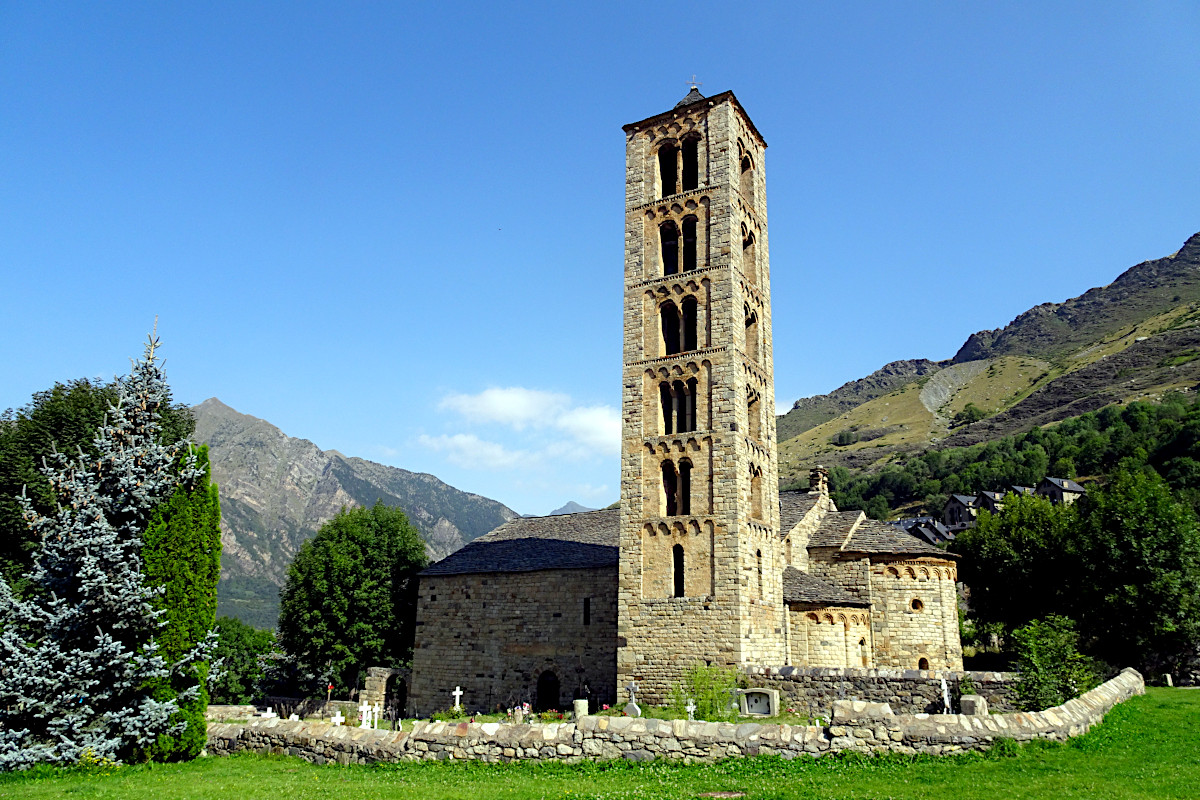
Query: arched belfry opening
x=689, y=243
x=749, y=260
x=690, y=309
x=690, y=156
x=746, y=179
x=751, y=333
x=668, y=237
x=677, y=571
x=670, y=487
x=668, y=170
x=669, y=315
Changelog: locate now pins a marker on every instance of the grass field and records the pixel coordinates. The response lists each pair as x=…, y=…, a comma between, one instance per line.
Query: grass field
x=1146, y=748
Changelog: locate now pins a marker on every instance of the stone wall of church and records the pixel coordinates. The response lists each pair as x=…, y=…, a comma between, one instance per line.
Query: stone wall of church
x=496, y=635
x=829, y=637
x=915, y=615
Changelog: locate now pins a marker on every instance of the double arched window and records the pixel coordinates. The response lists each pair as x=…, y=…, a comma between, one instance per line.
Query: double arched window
x=669, y=238
x=678, y=326
x=677, y=488
x=749, y=260
x=751, y=332
x=746, y=174
x=678, y=161
x=678, y=400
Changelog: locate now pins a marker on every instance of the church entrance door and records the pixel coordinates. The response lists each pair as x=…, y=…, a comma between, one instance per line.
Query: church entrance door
x=547, y=692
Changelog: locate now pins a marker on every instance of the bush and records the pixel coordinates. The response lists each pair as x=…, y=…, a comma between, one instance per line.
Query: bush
x=1052, y=670
x=711, y=687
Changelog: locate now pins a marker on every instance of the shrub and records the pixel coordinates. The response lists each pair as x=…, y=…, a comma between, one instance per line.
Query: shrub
x=1052, y=670
x=711, y=687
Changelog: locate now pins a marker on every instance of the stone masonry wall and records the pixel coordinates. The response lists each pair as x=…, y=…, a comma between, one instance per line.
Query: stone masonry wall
x=495, y=635
x=813, y=690
x=859, y=726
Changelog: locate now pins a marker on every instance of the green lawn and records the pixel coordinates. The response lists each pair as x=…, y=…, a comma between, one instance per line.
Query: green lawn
x=1146, y=748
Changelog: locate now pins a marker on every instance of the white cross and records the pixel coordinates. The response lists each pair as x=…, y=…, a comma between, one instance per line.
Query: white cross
x=364, y=713
x=375, y=716
x=338, y=719
x=632, y=687
x=458, y=693
x=690, y=708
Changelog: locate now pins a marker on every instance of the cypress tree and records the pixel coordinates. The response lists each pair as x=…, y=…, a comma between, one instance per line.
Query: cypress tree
x=183, y=555
x=78, y=656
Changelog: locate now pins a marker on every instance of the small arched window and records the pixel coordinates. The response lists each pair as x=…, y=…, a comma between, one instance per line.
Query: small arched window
x=689, y=323
x=668, y=169
x=692, y=387
x=677, y=572
x=753, y=414
x=751, y=334
x=923, y=663
x=690, y=155
x=745, y=178
x=668, y=400
x=758, y=558
x=668, y=238
x=689, y=243
x=670, y=484
x=749, y=260
x=670, y=328
x=685, y=487
x=756, y=504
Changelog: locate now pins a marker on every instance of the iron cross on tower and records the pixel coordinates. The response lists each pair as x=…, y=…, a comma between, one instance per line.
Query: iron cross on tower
x=693, y=82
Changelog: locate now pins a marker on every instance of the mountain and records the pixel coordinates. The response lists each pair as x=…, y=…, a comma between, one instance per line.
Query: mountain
x=570, y=508
x=1133, y=338
x=276, y=491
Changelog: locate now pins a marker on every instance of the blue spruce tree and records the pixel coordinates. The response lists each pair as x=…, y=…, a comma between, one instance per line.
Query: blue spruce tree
x=78, y=656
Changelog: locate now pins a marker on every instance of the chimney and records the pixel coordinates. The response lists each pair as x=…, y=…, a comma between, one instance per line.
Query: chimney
x=818, y=480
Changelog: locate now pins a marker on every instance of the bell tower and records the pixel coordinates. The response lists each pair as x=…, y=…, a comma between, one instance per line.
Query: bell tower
x=700, y=553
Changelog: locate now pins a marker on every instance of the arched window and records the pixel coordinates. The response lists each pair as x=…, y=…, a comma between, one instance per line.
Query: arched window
x=668, y=169
x=923, y=663
x=692, y=387
x=689, y=323
x=758, y=558
x=677, y=569
x=668, y=237
x=685, y=487
x=690, y=153
x=862, y=651
x=751, y=334
x=668, y=407
x=670, y=483
x=788, y=543
x=749, y=261
x=670, y=328
x=753, y=415
x=689, y=243
x=756, y=504
x=746, y=181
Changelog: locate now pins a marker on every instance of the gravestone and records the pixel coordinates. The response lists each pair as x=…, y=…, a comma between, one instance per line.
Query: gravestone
x=364, y=714
x=691, y=710
x=580, y=707
x=337, y=719
x=974, y=705
x=758, y=702
x=633, y=710
x=458, y=693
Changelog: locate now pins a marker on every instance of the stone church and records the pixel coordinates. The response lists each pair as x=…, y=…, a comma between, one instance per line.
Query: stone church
x=705, y=561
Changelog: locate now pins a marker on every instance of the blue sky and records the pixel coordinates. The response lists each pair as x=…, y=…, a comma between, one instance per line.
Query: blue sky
x=396, y=229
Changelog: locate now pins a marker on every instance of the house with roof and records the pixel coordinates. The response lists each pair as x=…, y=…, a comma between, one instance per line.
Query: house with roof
x=960, y=511
x=1060, y=490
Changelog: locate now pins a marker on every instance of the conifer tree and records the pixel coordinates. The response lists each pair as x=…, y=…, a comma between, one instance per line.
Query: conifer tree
x=183, y=556
x=78, y=657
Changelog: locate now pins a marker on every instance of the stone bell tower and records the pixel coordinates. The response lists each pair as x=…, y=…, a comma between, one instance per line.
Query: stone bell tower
x=701, y=568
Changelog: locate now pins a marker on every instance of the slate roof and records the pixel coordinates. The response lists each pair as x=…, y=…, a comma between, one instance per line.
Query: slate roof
x=873, y=536
x=566, y=541
x=792, y=508
x=968, y=500
x=1067, y=485
x=800, y=587
x=834, y=528
x=693, y=96
x=853, y=532
x=995, y=497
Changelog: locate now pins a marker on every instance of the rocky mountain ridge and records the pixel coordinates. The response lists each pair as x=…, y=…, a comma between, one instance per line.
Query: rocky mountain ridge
x=1130, y=339
x=276, y=491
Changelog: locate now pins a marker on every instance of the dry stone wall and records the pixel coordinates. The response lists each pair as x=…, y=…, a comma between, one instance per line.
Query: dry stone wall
x=812, y=691
x=856, y=725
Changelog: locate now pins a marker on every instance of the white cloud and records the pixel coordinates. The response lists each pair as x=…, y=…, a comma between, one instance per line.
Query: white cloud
x=579, y=432
x=512, y=406
x=468, y=450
